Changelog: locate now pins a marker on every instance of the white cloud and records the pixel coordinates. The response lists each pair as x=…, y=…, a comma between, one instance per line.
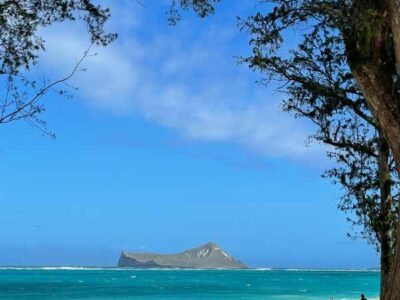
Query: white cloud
x=192, y=86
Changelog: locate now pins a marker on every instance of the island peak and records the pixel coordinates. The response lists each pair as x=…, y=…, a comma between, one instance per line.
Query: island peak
x=207, y=256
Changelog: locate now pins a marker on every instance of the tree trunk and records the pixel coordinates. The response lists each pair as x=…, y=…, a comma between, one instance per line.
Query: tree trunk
x=385, y=230
x=392, y=290
x=372, y=41
x=394, y=9
x=377, y=88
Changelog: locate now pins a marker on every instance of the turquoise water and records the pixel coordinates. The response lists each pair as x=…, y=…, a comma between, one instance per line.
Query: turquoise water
x=185, y=284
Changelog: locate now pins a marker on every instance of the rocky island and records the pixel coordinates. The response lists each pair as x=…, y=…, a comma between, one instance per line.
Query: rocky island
x=208, y=256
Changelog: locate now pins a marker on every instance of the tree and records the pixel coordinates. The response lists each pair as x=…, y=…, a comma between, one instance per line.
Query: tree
x=321, y=88
x=369, y=33
x=21, y=44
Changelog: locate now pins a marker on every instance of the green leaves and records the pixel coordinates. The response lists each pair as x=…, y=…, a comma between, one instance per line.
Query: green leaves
x=320, y=87
x=21, y=43
x=202, y=7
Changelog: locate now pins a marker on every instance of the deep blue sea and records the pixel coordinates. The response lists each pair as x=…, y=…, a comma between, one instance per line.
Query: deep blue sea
x=64, y=283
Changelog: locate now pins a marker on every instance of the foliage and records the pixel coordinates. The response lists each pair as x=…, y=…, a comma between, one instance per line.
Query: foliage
x=320, y=86
x=202, y=7
x=21, y=43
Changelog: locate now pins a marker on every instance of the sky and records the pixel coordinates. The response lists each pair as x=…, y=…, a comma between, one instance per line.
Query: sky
x=167, y=143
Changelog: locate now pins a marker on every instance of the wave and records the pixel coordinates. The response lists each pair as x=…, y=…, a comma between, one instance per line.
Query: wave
x=327, y=270
x=61, y=268
x=78, y=268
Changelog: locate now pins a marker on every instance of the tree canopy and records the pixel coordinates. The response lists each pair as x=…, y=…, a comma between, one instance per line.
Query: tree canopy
x=343, y=75
x=21, y=43
x=201, y=7
x=320, y=87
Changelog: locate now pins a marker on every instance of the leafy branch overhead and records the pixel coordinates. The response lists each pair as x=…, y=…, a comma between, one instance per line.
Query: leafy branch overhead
x=21, y=45
x=202, y=8
x=342, y=74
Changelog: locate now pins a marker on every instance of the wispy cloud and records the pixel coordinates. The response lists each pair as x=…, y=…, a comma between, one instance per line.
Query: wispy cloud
x=183, y=80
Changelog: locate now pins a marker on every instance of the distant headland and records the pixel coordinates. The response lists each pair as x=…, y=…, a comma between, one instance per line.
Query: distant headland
x=208, y=256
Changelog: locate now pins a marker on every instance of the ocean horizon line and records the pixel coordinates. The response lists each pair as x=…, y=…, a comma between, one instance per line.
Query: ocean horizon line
x=77, y=268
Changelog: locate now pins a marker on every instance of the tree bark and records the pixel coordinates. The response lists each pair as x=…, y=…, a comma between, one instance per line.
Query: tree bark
x=385, y=231
x=394, y=10
x=373, y=51
x=392, y=288
x=392, y=131
x=377, y=88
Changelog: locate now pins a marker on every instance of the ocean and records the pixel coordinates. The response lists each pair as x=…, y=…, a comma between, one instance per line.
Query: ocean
x=98, y=283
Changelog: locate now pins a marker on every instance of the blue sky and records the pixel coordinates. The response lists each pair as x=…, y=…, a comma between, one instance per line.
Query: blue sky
x=166, y=145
